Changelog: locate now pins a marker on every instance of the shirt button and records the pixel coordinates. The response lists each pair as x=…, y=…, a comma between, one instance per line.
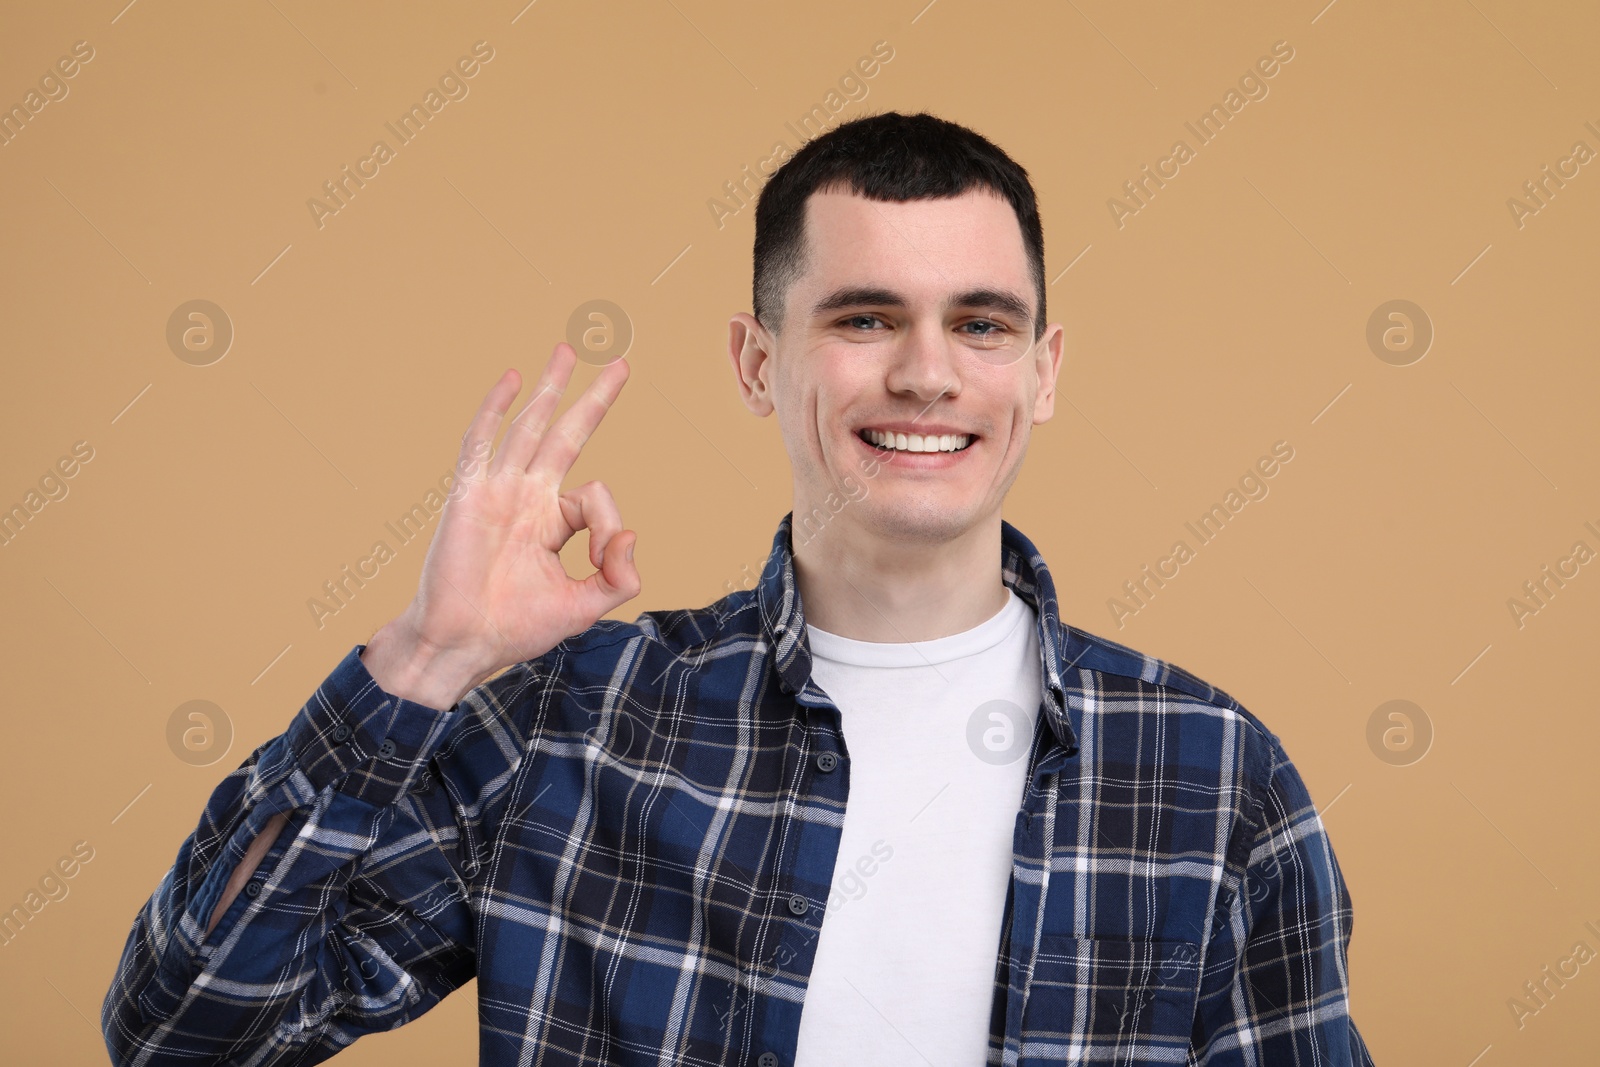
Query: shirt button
x=386, y=750
x=252, y=889
x=341, y=733
x=797, y=904
x=827, y=761
x=767, y=1059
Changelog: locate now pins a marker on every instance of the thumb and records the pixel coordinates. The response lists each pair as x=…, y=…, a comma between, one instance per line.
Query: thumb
x=617, y=581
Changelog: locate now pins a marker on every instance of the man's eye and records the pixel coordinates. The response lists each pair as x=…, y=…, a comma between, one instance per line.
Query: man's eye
x=996, y=327
x=855, y=320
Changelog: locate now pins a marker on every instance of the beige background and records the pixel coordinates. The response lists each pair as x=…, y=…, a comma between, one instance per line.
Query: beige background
x=1228, y=313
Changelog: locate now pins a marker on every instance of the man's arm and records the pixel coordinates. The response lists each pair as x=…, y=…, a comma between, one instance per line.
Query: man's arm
x=401, y=667
x=1276, y=983
x=324, y=893
x=247, y=866
x=323, y=944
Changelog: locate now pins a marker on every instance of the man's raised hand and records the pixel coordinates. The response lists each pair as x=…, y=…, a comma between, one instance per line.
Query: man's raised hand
x=493, y=589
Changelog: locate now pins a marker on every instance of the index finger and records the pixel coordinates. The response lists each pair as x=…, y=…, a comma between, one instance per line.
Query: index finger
x=559, y=447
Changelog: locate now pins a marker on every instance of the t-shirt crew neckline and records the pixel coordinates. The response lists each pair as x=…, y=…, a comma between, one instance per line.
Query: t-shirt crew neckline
x=980, y=638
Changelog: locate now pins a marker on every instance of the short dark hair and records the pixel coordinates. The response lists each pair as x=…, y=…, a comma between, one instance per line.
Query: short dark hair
x=888, y=156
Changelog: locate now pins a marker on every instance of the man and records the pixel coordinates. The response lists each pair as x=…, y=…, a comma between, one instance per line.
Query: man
x=650, y=842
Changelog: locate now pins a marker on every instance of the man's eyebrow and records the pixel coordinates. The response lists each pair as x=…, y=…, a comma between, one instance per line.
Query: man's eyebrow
x=974, y=299
x=993, y=300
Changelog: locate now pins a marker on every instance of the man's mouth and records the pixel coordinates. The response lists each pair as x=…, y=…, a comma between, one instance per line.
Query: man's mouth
x=914, y=442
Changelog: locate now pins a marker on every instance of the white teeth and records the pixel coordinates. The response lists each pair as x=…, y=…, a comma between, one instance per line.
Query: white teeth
x=950, y=442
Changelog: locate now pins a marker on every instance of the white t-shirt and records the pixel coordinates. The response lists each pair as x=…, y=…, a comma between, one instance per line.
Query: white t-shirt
x=937, y=733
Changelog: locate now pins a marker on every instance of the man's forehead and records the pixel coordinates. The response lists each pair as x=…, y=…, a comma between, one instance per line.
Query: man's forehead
x=922, y=248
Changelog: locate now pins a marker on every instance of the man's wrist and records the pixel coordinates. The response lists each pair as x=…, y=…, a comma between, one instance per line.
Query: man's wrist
x=407, y=666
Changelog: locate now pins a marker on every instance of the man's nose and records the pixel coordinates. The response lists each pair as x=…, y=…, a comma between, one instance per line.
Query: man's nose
x=926, y=364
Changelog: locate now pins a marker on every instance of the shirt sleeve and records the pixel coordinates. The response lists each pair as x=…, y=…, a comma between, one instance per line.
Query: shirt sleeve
x=357, y=920
x=1276, y=983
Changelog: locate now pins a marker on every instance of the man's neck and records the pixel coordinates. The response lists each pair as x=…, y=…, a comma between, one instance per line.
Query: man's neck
x=859, y=585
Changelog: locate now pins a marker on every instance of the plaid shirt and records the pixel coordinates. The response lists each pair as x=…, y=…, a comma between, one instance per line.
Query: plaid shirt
x=630, y=841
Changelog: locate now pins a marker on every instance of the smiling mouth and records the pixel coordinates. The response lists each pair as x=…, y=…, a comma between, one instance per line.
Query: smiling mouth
x=912, y=442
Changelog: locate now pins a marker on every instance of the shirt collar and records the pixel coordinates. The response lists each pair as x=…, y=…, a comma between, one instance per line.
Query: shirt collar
x=1022, y=569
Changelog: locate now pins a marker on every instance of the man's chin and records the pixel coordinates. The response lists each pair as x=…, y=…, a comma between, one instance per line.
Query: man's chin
x=919, y=520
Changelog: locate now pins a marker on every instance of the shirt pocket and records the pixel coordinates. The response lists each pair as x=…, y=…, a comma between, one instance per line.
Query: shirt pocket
x=1110, y=1001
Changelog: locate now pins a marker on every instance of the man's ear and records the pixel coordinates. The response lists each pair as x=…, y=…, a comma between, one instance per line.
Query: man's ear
x=1047, y=363
x=750, y=348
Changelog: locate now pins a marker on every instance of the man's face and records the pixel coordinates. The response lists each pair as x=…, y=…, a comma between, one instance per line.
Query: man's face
x=915, y=318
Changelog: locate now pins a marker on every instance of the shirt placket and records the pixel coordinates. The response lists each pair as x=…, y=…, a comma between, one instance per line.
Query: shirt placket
x=1033, y=854
x=818, y=739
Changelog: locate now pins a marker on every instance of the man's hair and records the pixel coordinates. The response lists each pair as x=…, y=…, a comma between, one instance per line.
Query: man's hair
x=890, y=157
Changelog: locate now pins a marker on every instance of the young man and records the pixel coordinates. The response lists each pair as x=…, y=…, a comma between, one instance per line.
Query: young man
x=888, y=783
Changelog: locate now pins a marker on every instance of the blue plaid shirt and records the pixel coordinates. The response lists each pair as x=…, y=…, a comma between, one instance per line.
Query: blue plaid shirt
x=630, y=842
